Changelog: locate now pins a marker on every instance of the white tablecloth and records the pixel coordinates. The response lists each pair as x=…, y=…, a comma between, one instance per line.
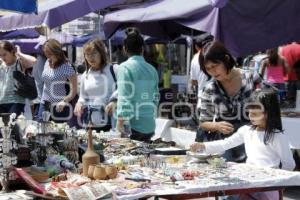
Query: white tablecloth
x=237, y=176
x=162, y=127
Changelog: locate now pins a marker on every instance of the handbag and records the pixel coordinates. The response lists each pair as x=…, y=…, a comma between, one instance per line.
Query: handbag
x=25, y=84
x=205, y=136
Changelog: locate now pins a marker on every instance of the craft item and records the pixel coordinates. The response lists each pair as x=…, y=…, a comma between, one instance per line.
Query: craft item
x=89, y=157
x=111, y=171
x=99, y=173
x=91, y=171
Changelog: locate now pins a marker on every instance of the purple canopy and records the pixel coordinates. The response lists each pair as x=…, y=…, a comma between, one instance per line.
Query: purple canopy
x=154, y=17
x=53, y=13
x=243, y=26
x=32, y=45
x=116, y=39
x=26, y=33
x=28, y=46
x=247, y=26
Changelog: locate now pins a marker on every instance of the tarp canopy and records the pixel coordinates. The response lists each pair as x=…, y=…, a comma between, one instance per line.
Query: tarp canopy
x=24, y=6
x=245, y=26
x=53, y=13
x=26, y=33
x=154, y=18
x=249, y=26
x=33, y=45
x=116, y=39
x=79, y=41
x=28, y=46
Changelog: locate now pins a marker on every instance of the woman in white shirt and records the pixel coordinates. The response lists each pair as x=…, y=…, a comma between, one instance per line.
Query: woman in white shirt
x=96, y=86
x=265, y=143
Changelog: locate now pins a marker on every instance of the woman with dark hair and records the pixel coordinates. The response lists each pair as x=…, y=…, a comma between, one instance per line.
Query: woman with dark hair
x=96, y=86
x=266, y=145
x=13, y=59
x=276, y=67
x=137, y=90
x=56, y=74
x=222, y=109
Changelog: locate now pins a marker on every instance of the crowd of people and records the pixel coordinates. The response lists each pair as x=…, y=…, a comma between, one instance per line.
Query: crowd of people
x=234, y=116
x=108, y=94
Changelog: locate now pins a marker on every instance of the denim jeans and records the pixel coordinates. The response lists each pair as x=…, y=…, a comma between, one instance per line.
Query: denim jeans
x=103, y=125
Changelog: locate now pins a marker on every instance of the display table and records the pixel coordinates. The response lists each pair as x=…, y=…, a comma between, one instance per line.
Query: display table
x=177, y=176
x=206, y=181
x=232, y=180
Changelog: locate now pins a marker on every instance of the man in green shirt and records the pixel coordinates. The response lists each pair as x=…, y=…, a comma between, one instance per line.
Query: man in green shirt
x=137, y=90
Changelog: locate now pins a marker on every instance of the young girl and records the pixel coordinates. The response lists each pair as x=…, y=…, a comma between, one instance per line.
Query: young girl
x=265, y=143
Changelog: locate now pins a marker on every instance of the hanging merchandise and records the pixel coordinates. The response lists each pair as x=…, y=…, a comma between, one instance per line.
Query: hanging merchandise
x=161, y=55
x=167, y=78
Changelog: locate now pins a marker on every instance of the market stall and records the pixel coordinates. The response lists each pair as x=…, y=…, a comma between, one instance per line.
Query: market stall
x=130, y=169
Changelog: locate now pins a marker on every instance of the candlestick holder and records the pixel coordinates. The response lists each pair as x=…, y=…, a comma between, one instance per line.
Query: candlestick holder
x=7, y=158
x=42, y=140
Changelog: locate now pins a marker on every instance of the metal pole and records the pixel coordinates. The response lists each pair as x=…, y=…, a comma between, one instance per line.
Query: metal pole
x=188, y=55
x=110, y=50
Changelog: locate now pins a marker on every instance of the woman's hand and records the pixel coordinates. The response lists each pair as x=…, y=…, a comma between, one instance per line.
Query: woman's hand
x=198, y=146
x=110, y=108
x=27, y=61
x=78, y=110
x=60, y=106
x=224, y=127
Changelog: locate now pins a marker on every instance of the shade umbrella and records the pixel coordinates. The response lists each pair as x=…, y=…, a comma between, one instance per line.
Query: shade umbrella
x=53, y=13
x=24, y=6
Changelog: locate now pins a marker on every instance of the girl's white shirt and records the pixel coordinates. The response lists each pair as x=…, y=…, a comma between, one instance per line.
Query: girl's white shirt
x=271, y=155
